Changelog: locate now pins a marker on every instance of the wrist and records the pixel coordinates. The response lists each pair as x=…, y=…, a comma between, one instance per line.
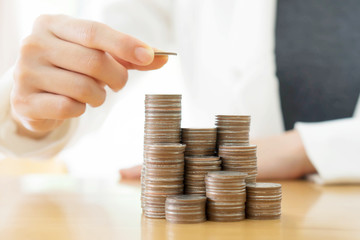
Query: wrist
x=306, y=166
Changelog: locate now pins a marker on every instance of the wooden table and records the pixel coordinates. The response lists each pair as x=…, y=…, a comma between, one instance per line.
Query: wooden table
x=60, y=207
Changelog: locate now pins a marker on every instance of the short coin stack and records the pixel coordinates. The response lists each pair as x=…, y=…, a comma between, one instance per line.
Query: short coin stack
x=226, y=195
x=162, y=125
x=240, y=158
x=196, y=169
x=185, y=209
x=263, y=201
x=164, y=176
x=199, y=141
x=233, y=129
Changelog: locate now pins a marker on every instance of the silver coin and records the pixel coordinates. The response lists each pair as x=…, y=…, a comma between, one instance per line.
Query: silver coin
x=165, y=53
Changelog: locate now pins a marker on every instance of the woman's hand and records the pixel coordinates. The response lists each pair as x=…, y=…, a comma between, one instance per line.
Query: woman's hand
x=65, y=64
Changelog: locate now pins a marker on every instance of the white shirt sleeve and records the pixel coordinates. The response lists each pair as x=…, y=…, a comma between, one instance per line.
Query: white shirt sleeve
x=333, y=149
x=14, y=146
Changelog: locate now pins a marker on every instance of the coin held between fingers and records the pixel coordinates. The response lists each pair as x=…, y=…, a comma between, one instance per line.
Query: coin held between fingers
x=165, y=53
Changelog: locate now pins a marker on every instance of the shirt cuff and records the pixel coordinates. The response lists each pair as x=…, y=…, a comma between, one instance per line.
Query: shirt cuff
x=332, y=147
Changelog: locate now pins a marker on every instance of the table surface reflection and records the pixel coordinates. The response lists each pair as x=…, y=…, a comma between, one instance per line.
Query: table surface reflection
x=61, y=207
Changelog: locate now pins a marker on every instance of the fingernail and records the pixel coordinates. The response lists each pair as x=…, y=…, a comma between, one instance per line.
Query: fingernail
x=144, y=55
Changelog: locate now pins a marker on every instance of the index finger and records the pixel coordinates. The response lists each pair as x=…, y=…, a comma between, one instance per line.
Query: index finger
x=102, y=37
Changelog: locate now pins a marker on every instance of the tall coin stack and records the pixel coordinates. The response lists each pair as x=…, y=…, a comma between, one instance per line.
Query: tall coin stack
x=199, y=141
x=164, y=176
x=233, y=129
x=162, y=125
x=263, y=201
x=196, y=169
x=185, y=209
x=226, y=195
x=240, y=158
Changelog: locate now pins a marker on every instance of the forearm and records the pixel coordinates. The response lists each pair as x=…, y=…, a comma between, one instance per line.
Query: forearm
x=282, y=157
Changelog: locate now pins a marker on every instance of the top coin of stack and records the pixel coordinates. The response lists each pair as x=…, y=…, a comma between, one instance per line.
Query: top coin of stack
x=233, y=129
x=185, y=209
x=263, y=201
x=199, y=141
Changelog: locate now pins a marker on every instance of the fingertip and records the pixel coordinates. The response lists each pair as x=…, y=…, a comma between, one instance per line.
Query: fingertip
x=132, y=173
x=159, y=62
x=144, y=55
x=161, y=59
x=115, y=90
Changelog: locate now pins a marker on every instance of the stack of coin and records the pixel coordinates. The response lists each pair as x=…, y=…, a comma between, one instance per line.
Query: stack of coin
x=240, y=158
x=199, y=141
x=162, y=124
x=233, y=129
x=263, y=201
x=164, y=176
x=162, y=119
x=226, y=195
x=185, y=209
x=196, y=169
